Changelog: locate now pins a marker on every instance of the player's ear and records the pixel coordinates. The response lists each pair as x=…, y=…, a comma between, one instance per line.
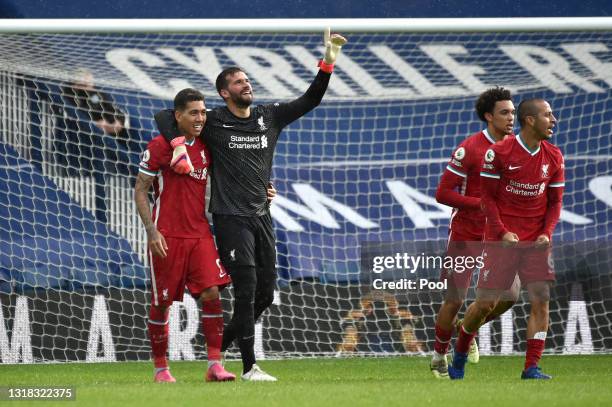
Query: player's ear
x=224, y=93
x=488, y=117
x=177, y=115
x=530, y=120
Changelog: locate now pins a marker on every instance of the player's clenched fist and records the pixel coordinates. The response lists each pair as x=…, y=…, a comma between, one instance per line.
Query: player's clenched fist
x=542, y=242
x=509, y=239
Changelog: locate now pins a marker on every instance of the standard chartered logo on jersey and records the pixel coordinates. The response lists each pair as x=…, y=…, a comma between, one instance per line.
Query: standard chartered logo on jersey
x=525, y=188
x=248, y=142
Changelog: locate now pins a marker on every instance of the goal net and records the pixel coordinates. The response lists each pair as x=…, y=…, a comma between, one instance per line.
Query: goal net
x=357, y=173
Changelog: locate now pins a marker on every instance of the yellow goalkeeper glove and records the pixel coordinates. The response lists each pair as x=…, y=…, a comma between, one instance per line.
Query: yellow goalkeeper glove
x=333, y=44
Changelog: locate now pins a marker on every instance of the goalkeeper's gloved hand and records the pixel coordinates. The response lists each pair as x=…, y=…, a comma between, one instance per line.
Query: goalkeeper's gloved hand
x=333, y=43
x=180, y=162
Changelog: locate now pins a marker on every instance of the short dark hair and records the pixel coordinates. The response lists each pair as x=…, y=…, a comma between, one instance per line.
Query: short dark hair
x=528, y=107
x=185, y=96
x=222, y=82
x=487, y=99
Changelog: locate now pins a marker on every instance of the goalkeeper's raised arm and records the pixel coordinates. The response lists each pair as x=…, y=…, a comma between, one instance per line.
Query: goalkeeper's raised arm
x=288, y=112
x=234, y=87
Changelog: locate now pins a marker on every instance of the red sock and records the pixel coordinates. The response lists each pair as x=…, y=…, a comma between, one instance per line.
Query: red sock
x=158, y=334
x=535, y=347
x=464, y=340
x=212, y=327
x=442, y=340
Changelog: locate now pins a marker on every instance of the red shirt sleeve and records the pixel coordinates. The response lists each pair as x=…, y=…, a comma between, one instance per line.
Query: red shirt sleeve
x=489, y=182
x=452, y=178
x=553, y=211
x=555, y=200
x=558, y=179
x=151, y=159
x=447, y=193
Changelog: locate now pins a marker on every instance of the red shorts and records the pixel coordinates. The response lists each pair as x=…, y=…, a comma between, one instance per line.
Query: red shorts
x=527, y=229
x=502, y=264
x=189, y=262
x=461, y=248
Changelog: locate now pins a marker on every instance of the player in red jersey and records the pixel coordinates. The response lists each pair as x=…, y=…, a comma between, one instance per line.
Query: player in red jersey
x=460, y=188
x=522, y=186
x=181, y=247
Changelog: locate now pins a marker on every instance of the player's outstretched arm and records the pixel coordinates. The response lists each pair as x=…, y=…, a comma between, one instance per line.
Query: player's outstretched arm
x=286, y=113
x=157, y=243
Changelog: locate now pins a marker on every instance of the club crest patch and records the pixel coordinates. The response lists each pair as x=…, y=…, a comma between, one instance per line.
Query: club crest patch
x=460, y=153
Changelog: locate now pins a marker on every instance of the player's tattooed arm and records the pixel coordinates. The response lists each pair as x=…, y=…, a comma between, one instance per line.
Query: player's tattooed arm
x=156, y=242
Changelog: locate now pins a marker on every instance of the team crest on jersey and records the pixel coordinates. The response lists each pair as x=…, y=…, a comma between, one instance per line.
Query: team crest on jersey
x=489, y=156
x=144, y=158
x=261, y=123
x=545, y=170
x=542, y=187
x=460, y=153
x=203, y=154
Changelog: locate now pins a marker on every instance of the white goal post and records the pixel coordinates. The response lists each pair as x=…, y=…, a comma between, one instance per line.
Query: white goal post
x=359, y=170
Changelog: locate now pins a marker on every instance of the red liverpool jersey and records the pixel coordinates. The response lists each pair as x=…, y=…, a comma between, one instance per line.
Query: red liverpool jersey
x=524, y=177
x=180, y=200
x=465, y=163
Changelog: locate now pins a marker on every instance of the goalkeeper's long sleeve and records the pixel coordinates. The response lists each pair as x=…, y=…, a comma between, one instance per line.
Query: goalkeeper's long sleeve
x=286, y=113
x=166, y=124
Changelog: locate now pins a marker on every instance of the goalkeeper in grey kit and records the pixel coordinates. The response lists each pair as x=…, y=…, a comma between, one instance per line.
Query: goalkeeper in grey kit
x=242, y=140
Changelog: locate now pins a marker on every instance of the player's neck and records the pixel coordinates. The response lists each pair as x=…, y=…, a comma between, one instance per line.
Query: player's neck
x=241, y=112
x=530, y=139
x=188, y=137
x=495, y=134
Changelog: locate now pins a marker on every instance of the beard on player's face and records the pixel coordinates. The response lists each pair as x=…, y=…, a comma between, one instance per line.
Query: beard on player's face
x=545, y=130
x=243, y=98
x=545, y=121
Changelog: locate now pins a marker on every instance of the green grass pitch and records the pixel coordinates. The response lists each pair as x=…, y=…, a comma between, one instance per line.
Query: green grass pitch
x=396, y=381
